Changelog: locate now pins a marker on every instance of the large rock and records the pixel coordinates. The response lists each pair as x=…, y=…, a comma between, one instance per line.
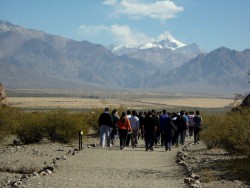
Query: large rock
x=246, y=101
x=3, y=100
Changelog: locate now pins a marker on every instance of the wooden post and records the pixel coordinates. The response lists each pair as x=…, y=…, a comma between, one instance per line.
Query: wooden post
x=80, y=139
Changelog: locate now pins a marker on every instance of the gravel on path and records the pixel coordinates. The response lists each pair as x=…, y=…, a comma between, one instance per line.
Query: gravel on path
x=112, y=167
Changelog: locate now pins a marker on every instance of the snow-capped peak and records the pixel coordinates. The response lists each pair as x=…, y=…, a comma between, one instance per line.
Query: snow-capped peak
x=168, y=43
x=150, y=45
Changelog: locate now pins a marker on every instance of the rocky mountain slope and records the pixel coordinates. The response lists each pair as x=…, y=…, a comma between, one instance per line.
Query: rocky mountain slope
x=220, y=70
x=34, y=59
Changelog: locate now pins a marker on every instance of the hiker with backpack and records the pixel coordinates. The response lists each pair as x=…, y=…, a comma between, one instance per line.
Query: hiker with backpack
x=124, y=129
x=197, y=127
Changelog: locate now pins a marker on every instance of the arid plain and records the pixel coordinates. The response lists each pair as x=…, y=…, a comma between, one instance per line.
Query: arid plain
x=136, y=103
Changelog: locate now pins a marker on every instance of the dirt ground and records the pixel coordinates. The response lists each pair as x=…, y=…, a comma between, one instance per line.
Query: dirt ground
x=93, y=166
x=137, y=103
x=105, y=167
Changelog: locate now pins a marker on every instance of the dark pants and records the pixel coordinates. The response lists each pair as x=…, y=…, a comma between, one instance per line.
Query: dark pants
x=142, y=134
x=149, y=140
x=181, y=138
x=191, y=130
x=128, y=140
x=163, y=136
x=113, y=133
x=175, y=138
x=122, y=135
x=168, y=140
x=196, y=134
x=157, y=137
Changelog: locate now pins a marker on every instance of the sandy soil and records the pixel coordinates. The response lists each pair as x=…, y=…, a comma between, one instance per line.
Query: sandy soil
x=104, y=167
x=93, y=166
x=87, y=103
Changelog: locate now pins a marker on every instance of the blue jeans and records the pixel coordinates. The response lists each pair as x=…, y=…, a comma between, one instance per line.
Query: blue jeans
x=105, y=131
x=134, y=138
x=181, y=138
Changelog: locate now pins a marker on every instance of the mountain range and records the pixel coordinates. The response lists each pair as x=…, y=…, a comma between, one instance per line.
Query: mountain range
x=35, y=59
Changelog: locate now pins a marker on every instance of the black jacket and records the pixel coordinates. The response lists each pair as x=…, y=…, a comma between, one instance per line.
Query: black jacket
x=105, y=119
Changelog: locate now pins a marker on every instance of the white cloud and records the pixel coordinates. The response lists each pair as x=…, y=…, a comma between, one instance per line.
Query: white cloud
x=125, y=36
x=110, y=2
x=120, y=34
x=92, y=30
x=165, y=35
x=137, y=9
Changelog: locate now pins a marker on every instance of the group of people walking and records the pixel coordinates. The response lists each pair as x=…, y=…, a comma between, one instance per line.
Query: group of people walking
x=162, y=128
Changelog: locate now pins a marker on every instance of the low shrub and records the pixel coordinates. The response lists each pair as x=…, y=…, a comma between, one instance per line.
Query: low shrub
x=230, y=131
x=58, y=126
x=62, y=126
x=9, y=121
x=31, y=128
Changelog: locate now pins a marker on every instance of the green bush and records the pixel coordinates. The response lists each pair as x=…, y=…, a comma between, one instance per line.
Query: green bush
x=31, y=128
x=59, y=125
x=62, y=126
x=9, y=121
x=230, y=131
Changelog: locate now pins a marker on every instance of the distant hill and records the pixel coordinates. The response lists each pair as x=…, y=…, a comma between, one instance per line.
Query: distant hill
x=32, y=58
x=222, y=70
x=35, y=59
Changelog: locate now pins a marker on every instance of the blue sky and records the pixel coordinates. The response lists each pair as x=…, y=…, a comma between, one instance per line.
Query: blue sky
x=208, y=23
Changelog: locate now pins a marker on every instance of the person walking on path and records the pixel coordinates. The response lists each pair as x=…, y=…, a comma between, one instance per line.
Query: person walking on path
x=169, y=130
x=191, y=123
x=197, y=127
x=149, y=129
x=105, y=125
x=174, y=118
x=124, y=128
x=135, y=125
x=128, y=136
x=163, y=122
x=114, y=133
x=141, y=121
x=181, y=128
x=157, y=122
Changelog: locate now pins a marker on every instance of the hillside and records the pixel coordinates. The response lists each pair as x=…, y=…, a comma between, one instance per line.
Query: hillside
x=35, y=59
x=222, y=70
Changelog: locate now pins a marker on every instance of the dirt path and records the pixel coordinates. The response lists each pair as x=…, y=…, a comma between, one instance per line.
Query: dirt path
x=111, y=167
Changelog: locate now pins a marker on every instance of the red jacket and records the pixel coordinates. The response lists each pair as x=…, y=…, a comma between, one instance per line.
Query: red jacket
x=124, y=126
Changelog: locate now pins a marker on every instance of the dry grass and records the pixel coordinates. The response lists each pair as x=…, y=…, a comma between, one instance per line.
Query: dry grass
x=191, y=102
x=87, y=103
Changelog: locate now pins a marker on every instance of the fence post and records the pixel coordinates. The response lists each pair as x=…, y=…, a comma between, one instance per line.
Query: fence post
x=80, y=139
